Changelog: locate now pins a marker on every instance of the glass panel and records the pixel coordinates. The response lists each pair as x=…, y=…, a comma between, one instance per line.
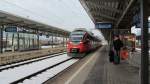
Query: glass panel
x=76, y=38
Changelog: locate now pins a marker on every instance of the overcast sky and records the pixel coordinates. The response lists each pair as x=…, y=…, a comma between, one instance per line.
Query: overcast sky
x=68, y=14
x=65, y=14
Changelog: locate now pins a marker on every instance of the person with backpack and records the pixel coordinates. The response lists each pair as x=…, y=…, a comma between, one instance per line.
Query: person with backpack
x=117, y=45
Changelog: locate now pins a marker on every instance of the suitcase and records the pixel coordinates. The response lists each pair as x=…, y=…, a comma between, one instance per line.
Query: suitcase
x=124, y=54
x=116, y=59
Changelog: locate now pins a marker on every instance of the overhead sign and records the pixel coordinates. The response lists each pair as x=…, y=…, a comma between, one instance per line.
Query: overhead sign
x=11, y=29
x=136, y=20
x=102, y=25
x=138, y=25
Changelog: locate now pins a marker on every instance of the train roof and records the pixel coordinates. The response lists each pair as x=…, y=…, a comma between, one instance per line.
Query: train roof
x=83, y=29
x=80, y=29
x=90, y=33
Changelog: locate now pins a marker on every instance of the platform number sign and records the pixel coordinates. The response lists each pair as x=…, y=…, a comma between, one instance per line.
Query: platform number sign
x=102, y=25
x=11, y=29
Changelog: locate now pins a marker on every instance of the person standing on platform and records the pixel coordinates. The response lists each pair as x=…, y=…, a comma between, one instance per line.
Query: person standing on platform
x=117, y=44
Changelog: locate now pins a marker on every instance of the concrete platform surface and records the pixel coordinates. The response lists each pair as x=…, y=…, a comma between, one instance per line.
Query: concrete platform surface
x=96, y=69
x=104, y=72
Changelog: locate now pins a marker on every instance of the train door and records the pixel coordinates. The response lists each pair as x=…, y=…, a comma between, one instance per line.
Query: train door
x=89, y=43
x=85, y=42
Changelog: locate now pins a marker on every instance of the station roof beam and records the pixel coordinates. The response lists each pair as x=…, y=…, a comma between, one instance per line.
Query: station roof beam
x=117, y=12
x=11, y=19
x=105, y=10
x=125, y=11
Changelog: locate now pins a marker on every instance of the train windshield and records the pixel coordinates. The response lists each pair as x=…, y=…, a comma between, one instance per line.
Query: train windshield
x=76, y=36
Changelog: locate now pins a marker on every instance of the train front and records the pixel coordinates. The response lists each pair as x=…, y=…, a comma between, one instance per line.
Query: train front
x=76, y=46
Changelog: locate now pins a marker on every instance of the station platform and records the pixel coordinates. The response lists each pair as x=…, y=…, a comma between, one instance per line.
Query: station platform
x=95, y=68
x=104, y=72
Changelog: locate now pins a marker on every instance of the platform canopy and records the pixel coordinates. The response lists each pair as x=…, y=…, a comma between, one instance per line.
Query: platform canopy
x=118, y=12
x=14, y=20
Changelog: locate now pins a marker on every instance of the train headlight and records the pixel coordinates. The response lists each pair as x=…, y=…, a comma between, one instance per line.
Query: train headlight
x=81, y=42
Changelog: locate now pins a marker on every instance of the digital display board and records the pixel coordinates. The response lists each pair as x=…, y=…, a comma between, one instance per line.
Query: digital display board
x=11, y=29
x=102, y=25
x=136, y=20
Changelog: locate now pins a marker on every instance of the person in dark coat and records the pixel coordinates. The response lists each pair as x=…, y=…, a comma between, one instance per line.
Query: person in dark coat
x=117, y=44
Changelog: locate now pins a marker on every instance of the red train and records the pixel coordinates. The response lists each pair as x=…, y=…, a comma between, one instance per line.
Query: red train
x=81, y=42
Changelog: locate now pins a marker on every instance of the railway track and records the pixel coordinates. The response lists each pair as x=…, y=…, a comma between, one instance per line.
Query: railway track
x=35, y=72
x=28, y=61
x=42, y=76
